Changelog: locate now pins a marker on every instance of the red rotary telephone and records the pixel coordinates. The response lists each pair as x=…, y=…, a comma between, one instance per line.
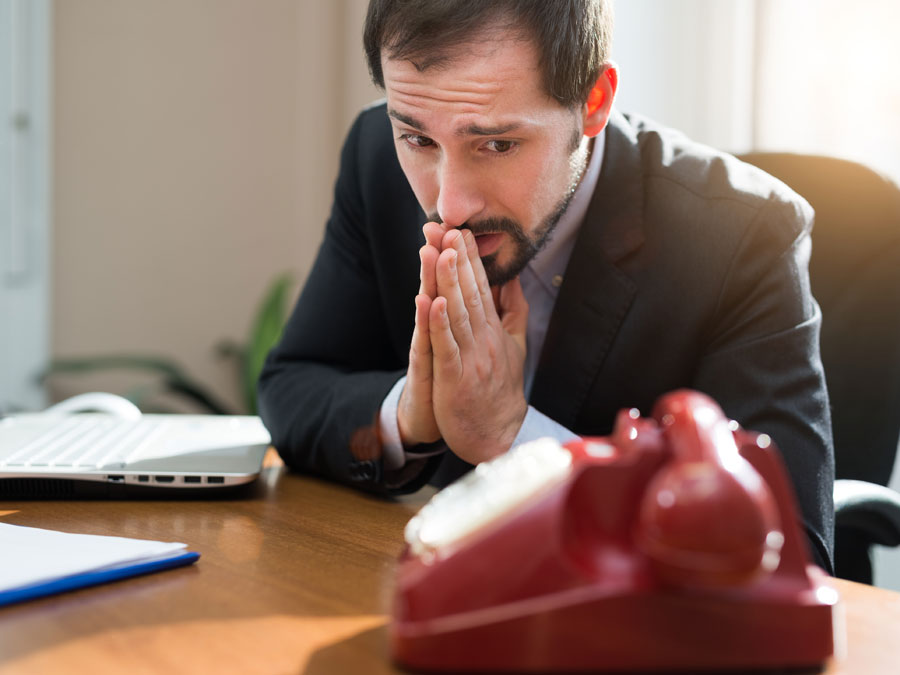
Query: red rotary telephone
x=671, y=544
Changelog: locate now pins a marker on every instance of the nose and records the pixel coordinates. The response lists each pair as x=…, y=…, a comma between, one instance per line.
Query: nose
x=460, y=197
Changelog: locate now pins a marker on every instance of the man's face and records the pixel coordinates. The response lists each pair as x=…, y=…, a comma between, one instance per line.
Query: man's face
x=484, y=147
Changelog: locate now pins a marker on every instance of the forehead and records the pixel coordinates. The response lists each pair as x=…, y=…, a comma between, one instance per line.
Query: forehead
x=497, y=74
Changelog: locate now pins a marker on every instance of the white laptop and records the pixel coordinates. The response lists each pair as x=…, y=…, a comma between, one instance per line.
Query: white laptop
x=118, y=452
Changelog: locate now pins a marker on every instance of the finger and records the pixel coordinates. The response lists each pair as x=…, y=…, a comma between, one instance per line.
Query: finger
x=415, y=412
x=468, y=286
x=420, y=355
x=448, y=288
x=484, y=287
x=495, y=297
x=433, y=233
x=428, y=255
x=447, y=360
x=514, y=311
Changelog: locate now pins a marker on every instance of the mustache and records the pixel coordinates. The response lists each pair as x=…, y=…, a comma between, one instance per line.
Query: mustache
x=490, y=226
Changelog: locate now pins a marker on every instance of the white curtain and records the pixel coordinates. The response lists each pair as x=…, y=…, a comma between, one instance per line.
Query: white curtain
x=689, y=64
x=828, y=80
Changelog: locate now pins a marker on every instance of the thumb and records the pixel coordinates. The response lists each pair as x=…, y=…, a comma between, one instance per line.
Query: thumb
x=495, y=294
x=514, y=311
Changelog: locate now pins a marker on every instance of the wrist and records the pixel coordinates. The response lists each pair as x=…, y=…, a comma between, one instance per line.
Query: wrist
x=511, y=431
x=503, y=441
x=408, y=435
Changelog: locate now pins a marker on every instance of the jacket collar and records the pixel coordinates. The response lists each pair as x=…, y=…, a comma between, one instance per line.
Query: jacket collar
x=596, y=294
x=615, y=218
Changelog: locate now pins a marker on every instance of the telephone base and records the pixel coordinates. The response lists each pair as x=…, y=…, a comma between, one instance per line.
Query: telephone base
x=621, y=631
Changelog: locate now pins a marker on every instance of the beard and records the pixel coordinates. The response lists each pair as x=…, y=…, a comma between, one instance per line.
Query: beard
x=524, y=246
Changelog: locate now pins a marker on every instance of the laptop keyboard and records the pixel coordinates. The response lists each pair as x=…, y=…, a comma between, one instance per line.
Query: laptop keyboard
x=87, y=442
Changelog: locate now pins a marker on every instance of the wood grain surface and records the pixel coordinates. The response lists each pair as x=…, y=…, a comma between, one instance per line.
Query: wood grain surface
x=295, y=577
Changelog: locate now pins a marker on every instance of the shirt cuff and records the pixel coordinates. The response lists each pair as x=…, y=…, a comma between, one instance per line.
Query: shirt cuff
x=394, y=455
x=537, y=425
x=391, y=445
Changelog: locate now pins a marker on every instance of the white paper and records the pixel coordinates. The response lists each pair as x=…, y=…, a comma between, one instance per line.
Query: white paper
x=30, y=555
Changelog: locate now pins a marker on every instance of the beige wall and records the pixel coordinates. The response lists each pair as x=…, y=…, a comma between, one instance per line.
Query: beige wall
x=196, y=144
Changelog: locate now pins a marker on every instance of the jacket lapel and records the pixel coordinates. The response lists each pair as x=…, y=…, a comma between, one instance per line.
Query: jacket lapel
x=595, y=295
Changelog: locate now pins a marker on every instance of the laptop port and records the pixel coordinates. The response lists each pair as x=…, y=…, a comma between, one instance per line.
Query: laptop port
x=143, y=479
x=115, y=479
x=164, y=479
x=192, y=479
x=215, y=479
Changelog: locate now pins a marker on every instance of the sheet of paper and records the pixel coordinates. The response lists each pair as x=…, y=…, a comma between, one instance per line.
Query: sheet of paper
x=30, y=555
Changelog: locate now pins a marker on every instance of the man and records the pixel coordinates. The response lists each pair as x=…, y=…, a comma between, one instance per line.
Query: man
x=572, y=262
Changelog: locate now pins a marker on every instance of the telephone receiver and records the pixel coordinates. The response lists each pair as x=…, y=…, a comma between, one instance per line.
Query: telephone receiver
x=706, y=518
x=672, y=544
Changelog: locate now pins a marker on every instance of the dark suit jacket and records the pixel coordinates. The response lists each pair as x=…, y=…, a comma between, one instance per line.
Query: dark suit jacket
x=690, y=270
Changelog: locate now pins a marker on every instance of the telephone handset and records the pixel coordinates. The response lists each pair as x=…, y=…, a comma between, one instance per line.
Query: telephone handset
x=673, y=543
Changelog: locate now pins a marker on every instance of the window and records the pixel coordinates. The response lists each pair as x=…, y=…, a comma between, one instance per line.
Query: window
x=24, y=200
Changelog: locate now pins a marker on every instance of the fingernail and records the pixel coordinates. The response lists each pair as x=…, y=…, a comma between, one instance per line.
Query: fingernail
x=453, y=260
x=468, y=238
x=461, y=243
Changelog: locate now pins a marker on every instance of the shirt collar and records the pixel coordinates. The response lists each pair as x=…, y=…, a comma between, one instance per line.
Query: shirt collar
x=551, y=260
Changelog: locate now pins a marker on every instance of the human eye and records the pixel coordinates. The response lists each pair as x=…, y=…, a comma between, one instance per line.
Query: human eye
x=415, y=141
x=501, y=147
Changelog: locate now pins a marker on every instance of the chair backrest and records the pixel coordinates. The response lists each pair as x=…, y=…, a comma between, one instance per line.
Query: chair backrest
x=855, y=277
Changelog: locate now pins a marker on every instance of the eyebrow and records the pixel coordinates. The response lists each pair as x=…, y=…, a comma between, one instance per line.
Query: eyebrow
x=471, y=130
x=475, y=130
x=406, y=119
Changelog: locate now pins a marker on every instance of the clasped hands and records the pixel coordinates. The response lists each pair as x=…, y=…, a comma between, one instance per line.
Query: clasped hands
x=467, y=354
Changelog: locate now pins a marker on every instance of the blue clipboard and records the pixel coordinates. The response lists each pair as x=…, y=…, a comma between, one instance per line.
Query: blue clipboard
x=75, y=581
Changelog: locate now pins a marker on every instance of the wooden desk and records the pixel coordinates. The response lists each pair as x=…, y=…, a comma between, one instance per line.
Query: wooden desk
x=295, y=579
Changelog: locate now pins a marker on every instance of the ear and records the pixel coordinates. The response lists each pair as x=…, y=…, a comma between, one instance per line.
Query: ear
x=599, y=104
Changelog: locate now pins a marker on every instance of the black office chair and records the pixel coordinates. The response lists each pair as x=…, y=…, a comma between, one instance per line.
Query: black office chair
x=855, y=276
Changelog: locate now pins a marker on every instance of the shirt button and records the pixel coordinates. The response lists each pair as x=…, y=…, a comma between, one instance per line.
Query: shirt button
x=557, y=280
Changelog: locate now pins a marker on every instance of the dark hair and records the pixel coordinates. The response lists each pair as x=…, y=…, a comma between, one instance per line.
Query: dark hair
x=573, y=37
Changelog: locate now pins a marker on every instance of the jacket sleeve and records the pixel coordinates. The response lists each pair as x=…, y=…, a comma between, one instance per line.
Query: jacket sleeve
x=762, y=358
x=322, y=386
